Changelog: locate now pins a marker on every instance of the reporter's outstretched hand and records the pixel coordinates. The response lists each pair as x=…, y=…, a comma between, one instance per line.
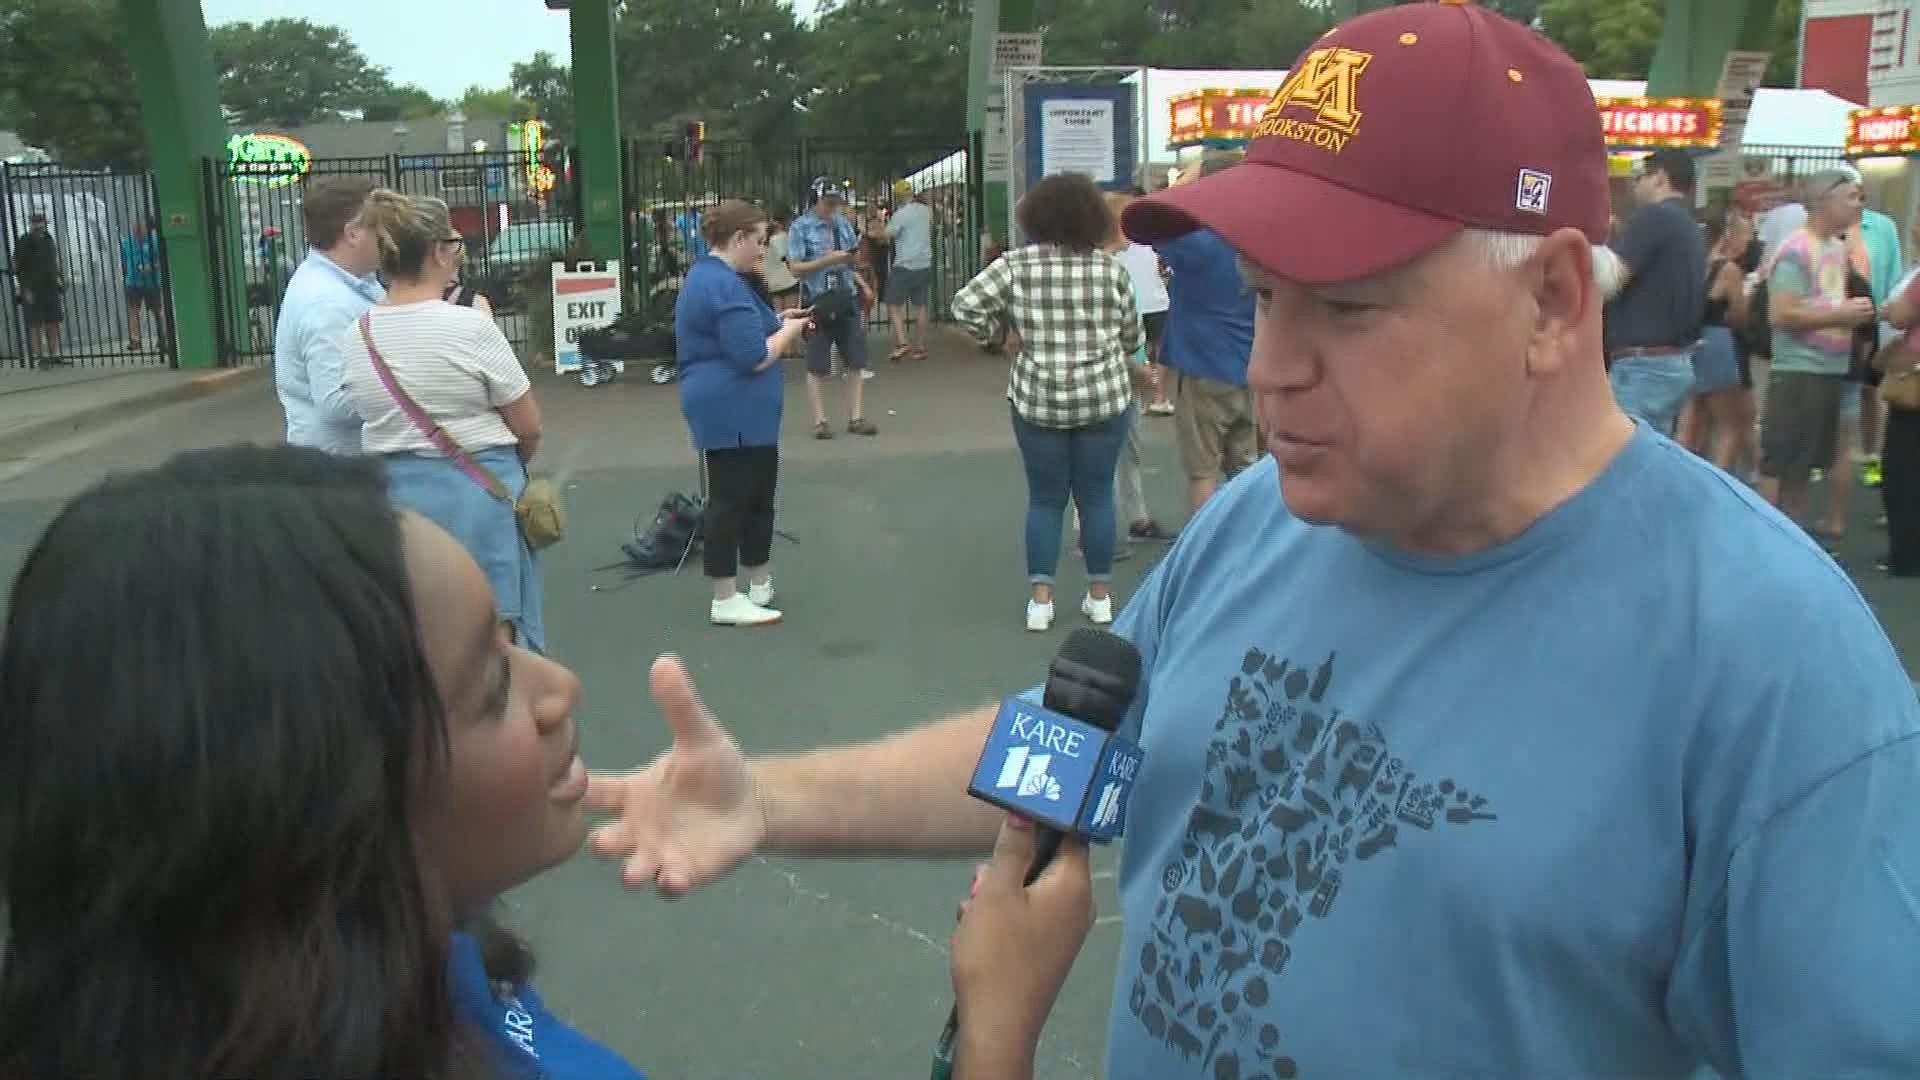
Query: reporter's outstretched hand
x=692, y=815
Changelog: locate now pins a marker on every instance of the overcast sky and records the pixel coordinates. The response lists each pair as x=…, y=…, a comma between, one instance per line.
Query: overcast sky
x=444, y=46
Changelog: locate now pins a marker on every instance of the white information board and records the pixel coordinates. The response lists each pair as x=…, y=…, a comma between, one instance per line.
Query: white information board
x=586, y=296
x=1077, y=136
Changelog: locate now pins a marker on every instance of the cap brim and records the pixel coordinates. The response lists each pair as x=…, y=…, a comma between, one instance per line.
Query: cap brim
x=1297, y=226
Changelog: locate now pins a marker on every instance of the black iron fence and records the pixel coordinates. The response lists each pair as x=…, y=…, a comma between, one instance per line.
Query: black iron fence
x=667, y=193
x=91, y=289
x=515, y=219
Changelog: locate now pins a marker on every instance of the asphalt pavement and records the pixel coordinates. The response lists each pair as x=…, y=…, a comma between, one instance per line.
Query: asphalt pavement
x=903, y=590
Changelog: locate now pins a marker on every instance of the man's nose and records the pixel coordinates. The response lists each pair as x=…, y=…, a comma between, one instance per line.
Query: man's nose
x=1282, y=360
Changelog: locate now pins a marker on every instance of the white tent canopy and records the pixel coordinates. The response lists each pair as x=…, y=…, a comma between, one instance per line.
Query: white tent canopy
x=1813, y=119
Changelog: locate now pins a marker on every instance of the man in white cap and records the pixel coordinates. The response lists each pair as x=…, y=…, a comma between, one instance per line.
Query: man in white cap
x=1488, y=733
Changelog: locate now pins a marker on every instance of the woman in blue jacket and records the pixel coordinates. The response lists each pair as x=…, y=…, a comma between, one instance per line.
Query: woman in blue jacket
x=731, y=391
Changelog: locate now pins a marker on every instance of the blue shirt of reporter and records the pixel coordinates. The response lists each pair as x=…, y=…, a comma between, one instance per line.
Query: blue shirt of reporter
x=729, y=344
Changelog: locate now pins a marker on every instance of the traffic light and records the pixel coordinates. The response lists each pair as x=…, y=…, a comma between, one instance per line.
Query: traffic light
x=696, y=137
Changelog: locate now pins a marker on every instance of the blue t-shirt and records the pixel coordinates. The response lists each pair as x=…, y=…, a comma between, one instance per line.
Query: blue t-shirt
x=1209, y=330
x=1634, y=793
x=530, y=1042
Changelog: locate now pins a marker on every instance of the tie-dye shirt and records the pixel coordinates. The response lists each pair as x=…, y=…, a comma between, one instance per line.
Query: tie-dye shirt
x=1816, y=269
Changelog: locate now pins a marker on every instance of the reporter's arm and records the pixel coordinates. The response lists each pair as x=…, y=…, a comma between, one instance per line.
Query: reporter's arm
x=905, y=794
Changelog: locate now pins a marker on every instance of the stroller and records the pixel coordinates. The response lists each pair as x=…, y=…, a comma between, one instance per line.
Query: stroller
x=646, y=334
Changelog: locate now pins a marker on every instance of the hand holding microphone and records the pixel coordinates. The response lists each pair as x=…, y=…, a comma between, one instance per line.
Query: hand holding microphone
x=1014, y=949
x=1061, y=769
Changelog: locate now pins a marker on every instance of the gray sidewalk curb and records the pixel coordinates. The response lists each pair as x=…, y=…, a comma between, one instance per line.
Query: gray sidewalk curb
x=28, y=436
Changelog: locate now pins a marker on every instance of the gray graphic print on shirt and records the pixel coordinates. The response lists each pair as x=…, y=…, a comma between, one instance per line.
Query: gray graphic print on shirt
x=1295, y=794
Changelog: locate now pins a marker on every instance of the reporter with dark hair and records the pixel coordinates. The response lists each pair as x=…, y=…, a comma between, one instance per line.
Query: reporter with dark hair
x=732, y=392
x=1072, y=306
x=261, y=846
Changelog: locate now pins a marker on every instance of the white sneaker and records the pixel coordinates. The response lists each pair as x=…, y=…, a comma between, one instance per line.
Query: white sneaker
x=739, y=610
x=1099, y=612
x=761, y=594
x=1039, y=615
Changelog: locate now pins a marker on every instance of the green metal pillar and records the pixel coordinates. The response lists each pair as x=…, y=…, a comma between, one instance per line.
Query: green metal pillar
x=991, y=17
x=180, y=108
x=596, y=110
x=1696, y=37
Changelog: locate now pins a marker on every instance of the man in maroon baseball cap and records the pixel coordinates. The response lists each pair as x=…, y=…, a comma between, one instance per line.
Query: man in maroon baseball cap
x=1487, y=733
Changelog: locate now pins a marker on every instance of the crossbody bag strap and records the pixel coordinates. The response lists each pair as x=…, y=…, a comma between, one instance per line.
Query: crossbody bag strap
x=435, y=434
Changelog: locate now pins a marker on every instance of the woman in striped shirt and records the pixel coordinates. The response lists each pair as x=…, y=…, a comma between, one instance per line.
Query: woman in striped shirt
x=447, y=404
x=1072, y=308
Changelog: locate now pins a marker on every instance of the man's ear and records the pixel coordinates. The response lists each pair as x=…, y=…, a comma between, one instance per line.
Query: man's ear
x=1565, y=298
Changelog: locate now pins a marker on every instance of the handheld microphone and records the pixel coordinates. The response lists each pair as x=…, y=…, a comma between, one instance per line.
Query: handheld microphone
x=1060, y=765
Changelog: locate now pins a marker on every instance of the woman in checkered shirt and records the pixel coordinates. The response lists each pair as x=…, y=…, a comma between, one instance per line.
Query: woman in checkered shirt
x=1071, y=307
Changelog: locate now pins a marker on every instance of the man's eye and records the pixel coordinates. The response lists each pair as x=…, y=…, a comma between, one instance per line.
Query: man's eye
x=1348, y=308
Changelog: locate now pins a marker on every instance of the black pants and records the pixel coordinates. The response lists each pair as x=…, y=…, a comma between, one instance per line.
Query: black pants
x=1900, y=491
x=739, y=522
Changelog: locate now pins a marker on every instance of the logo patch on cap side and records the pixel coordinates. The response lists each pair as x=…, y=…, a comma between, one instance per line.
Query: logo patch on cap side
x=1327, y=82
x=1531, y=196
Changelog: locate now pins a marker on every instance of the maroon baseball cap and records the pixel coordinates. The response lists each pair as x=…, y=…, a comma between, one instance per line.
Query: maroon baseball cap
x=1395, y=131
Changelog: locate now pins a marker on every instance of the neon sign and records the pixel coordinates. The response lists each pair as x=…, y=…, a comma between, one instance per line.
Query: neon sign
x=533, y=138
x=1215, y=115
x=1648, y=123
x=268, y=159
x=1887, y=130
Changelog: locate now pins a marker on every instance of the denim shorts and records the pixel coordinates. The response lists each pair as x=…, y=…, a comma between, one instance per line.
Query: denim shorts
x=1654, y=387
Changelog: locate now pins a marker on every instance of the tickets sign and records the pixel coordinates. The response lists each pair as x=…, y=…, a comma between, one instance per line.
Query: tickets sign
x=1891, y=129
x=1652, y=123
x=1214, y=116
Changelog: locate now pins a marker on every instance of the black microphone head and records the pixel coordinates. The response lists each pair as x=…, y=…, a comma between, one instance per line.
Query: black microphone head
x=1093, y=677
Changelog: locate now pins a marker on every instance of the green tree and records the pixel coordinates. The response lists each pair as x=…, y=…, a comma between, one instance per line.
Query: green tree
x=890, y=68
x=1784, y=35
x=546, y=86
x=291, y=71
x=479, y=101
x=401, y=103
x=53, y=56
x=1181, y=33
x=1612, y=39
x=748, y=81
x=1616, y=39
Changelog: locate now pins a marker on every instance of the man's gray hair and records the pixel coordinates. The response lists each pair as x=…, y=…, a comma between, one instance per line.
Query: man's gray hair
x=1507, y=251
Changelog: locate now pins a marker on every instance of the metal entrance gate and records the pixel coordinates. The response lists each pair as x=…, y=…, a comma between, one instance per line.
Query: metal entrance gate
x=116, y=309
x=514, y=230
x=665, y=196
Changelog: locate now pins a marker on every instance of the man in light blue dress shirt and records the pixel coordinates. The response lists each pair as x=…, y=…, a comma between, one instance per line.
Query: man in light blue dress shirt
x=332, y=287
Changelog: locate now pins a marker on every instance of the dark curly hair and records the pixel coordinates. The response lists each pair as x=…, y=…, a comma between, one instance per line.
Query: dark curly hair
x=1066, y=210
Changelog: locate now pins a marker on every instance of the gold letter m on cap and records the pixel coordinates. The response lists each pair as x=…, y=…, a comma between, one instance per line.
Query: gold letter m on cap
x=1325, y=82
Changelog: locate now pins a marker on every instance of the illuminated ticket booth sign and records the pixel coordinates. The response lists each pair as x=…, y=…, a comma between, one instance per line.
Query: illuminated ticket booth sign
x=268, y=159
x=1890, y=131
x=1217, y=118
x=1658, y=123
x=1883, y=143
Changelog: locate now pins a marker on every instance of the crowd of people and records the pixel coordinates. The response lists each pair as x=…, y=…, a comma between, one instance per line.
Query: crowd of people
x=1765, y=341
x=1488, y=731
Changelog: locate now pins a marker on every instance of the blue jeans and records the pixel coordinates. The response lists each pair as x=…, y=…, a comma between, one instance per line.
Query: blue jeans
x=1078, y=462
x=1654, y=388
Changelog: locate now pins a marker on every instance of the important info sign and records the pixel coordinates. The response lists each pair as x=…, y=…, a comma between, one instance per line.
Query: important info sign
x=586, y=296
